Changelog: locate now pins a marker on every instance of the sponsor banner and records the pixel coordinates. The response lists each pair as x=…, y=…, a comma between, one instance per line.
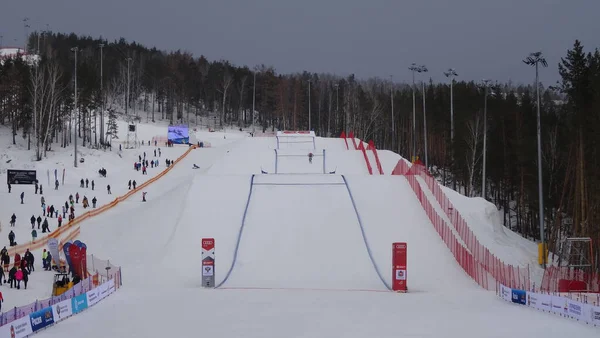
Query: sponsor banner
x=53, y=248
x=103, y=292
x=560, y=306
x=505, y=293
x=18, y=328
x=111, y=286
x=575, y=309
x=93, y=296
x=595, y=314
x=519, y=297
x=14, y=176
x=79, y=303
x=66, y=247
x=62, y=310
x=41, y=319
x=539, y=301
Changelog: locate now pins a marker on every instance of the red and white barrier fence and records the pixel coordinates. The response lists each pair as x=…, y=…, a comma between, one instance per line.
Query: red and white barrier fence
x=506, y=274
x=374, y=150
x=361, y=147
x=343, y=135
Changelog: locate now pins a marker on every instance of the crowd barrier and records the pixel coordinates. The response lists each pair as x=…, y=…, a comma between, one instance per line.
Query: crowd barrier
x=507, y=274
x=42, y=242
x=372, y=147
x=24, y=320
x=585, y=309
x=351, y=136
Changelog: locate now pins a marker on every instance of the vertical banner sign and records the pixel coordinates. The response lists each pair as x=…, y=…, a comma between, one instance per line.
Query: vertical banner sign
x=208, y=262
x=399, y=267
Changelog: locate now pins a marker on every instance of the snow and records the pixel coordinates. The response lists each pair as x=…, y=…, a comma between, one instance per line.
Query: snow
x=302, y=269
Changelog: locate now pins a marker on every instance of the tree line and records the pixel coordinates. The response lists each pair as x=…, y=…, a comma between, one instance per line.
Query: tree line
x=37, y=102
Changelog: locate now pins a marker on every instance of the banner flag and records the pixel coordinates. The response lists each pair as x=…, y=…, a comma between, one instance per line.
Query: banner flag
x=75, y=253
x=66, y=251
x=53, y=248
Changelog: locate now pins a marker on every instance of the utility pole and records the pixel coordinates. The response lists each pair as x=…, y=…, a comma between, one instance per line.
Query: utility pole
x=25, y=26
x=535, y=59
x=127, y=100
x=101, y=97
x=75, y=50
x=392, y=103
x=486, y=83
x=309, y=111
x=423, y=69
x=451, y=73
x=415, y=68
x=253, y=100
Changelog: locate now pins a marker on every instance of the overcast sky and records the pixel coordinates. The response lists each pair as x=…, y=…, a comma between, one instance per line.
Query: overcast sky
x=479, y=38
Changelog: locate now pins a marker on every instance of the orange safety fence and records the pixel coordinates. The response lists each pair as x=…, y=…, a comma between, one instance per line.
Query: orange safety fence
x=39, y=243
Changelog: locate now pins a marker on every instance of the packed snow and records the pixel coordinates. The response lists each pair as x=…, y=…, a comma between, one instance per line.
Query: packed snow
x=303, y=267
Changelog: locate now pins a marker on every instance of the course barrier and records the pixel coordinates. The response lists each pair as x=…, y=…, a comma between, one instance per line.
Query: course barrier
x=361, y=147
x=568, y=279
x=59, y=232
x=372, y=147
x=351, y=135
x=465, y=259
x=506, y=274
x=343, y=135
x=27, y=319
x=583, y=308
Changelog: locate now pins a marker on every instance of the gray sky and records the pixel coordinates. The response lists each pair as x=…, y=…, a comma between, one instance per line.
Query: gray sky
x=480, y=38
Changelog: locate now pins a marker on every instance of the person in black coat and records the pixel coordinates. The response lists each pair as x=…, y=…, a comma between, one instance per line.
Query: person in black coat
x=32, y=219
x=25, y=277
x=11, y=277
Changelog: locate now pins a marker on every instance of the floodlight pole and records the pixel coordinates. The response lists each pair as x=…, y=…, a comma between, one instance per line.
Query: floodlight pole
x=535, y=59
x=75, y=50
x=309, y=110
x=414, y=68
x=483, y=181
x=127, y=100
x=101, y=97
x=424, y=69
x=451, y=73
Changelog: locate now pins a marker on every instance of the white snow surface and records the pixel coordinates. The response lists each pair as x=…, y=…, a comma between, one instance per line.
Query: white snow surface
x=302, y=268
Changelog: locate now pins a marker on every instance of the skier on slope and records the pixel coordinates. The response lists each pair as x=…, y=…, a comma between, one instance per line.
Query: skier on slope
x=310, y=157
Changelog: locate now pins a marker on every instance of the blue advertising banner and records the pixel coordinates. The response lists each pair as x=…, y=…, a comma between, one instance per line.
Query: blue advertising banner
x=178, y=134
x=79, y=303
x=41, y=319
x=519, y=297
x=68, y=255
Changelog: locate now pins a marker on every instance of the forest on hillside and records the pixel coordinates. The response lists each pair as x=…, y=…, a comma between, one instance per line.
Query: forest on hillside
x=119, y=77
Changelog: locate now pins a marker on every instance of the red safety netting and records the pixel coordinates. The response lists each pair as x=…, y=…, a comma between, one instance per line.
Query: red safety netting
x=568, y=279
x=506, y=274
x=351, y=135
x=464, y=258
x=361, y=147
x=371, y=147
x=343, y=135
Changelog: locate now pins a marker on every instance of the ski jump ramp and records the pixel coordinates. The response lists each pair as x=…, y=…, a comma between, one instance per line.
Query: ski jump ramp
x=294, y=237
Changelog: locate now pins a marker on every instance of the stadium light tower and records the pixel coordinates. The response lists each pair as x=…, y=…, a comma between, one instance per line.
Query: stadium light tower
x=415, y=68
x=536, y=59
x=451, y=73
x=309, y=110
x=75, y=50
x=101, y=97
x=25, y=26
x=486, y=84
x=424, y=70
x=127, y=100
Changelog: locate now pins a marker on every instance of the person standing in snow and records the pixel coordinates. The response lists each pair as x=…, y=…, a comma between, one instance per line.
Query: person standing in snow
x=56, y=185
x=22, y=197
x=81, y=183
x=310, y=157
x=44, y=256
x=94, y=200
x=36, y=187
x=9, y=188
x=108, y=189
x=18, y=277
x=134, y=184
x=87, y=183
x=33, y=235
x=43, y=200
x=32, y=219
x=11, y=277
x=77, y=198
x=41, y=189
x=39, y=221
x=93, y=184
x=59, y=220
x=144, y=196
x=13, y=220
x=25, y=277
x=129, y=184
x=11, y=238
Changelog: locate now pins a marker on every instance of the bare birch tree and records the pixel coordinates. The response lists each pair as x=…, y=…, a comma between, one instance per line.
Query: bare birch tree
x=473, y=138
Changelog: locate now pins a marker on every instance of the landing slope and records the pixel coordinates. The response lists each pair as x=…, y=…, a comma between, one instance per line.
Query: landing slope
x=302, y=232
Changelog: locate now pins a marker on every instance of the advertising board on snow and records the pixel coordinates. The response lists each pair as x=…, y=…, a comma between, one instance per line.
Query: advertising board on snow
x=539, y=301
x=16, y=176
x=595, y=314
x=79, y=303
x=93, y=296
x=575, y=309
x=18, y=328
x=62, y=310
x=505, y=293
x=399, y=278
x=42, y=318
x=208, y=262
x=519, y=296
